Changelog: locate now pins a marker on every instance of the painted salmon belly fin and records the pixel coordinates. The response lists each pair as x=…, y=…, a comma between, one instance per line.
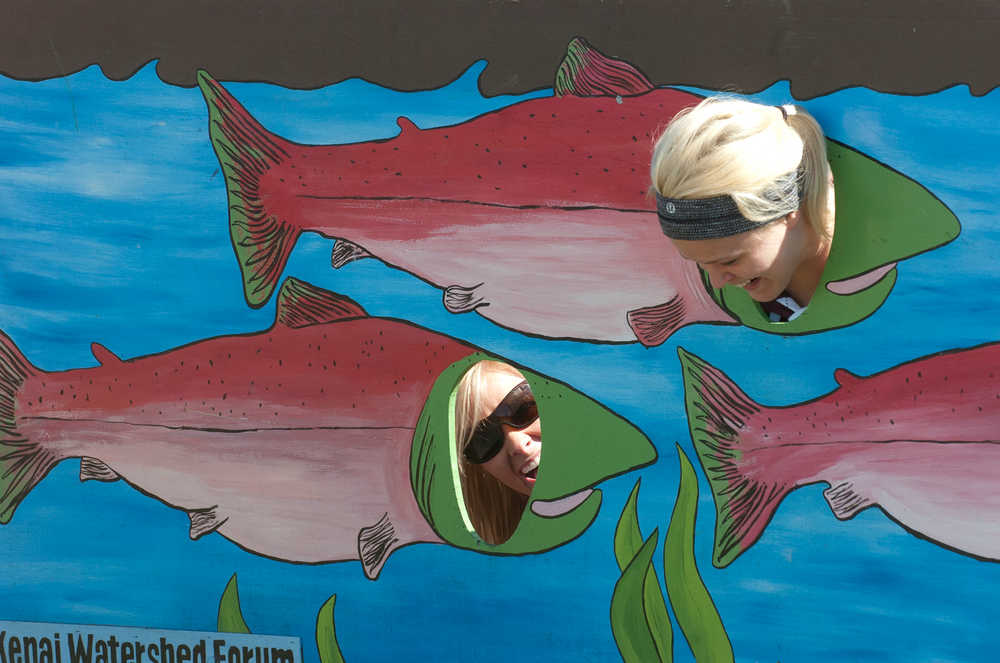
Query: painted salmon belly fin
x=845, y=502
x=718, y=412
x=654, y=324
x=22, y=463
x=460, y=299
x=345, y=252
x=375, y=544
x=246, y=151
x=204, y=521
x=586, y=72
x=301, y=304
x=92, y=469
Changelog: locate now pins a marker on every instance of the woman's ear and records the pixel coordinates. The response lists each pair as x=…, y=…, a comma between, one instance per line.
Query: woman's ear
x=792, y=218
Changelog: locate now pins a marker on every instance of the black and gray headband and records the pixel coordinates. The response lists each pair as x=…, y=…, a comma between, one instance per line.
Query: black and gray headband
x=719, y=216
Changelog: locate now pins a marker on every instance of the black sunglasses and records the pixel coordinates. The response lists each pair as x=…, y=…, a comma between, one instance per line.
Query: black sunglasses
x=517, y=410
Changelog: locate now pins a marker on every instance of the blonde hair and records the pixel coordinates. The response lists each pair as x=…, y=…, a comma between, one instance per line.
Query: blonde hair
x=494, y=509
x=731, y=146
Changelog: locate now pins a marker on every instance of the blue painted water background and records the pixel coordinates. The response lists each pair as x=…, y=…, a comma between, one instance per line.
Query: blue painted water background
x=113, y=229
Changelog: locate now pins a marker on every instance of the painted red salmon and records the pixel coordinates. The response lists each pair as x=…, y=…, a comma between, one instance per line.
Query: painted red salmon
x=323, y=438
x=921, y=441
x=536, y=216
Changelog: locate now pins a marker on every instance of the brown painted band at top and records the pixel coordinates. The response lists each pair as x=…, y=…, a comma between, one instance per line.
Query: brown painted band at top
x=896, y=46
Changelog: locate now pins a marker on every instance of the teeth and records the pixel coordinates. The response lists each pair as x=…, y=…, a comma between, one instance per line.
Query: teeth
x=530, y=465
x=743, y=284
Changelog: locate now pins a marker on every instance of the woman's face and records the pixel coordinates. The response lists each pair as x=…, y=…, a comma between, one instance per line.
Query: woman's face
x=762, y=261
x=516, y=465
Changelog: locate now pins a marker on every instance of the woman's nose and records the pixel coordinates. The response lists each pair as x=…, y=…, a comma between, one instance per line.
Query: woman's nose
x=718, y=275
x=521, y=441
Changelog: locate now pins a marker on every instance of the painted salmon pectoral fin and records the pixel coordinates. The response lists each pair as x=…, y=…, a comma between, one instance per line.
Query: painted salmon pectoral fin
x=23, y=463
x=461, y=299
x=586, y=72
x=92, y=469
x=844, y=500
x=854, y=284
x=345, y=252
x=103, y=355
x=652, y=325
x=375, y=544
x=301, y=304
x=718, y=416
x=205, y=521
x=246, y=150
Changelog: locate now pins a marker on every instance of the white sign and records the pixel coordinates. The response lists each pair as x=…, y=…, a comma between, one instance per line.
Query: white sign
x=34, y=642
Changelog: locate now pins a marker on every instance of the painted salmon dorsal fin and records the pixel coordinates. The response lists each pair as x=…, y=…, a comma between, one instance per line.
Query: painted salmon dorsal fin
x=845, y=378
x=586, y=72
x=103, y=355
x=652, y=325
x=92, y=469
x=345, y=252
x=204, y=521
x=375, y=544
x=461, y=299
x=844, y=500
x=301, y=304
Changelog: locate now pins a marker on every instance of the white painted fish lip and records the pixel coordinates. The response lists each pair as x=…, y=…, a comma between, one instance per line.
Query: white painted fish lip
x=561, y=505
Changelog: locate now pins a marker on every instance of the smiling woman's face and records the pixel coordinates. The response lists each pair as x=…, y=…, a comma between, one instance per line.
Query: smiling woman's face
x=516, y=465
x=764, y=261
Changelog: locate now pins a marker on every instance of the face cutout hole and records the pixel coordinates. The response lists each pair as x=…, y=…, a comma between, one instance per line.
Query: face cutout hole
x=498, y=444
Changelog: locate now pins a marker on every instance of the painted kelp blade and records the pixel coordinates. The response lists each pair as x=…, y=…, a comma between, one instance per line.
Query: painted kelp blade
x=639, y=618
x=230, y=618
x=577, y=457
x=920, y=440
x=231, y=621
x=633, y=636
x=693, y=606
x=629, y=621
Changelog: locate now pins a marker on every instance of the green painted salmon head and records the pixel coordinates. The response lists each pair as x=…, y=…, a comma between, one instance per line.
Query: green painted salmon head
x=584, y=444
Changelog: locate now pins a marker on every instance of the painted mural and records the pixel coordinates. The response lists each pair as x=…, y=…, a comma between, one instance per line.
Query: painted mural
x=235, y=315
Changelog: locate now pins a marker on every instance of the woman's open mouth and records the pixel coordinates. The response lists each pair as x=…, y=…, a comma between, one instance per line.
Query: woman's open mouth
x=749, y=284
x=530, y=469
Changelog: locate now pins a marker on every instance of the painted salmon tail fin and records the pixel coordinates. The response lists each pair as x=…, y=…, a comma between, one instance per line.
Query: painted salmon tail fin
x=719, y=415
x=22, y=463
x=246, y=151
x=586, y=72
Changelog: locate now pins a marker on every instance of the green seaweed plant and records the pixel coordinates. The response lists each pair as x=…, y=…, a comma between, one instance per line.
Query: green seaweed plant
x=230, y=615
x=231, y=621
x=640, y=622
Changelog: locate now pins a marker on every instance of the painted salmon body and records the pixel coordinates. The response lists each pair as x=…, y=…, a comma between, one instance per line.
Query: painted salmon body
x=537, y=216
x=295, y=442
x=921, y=441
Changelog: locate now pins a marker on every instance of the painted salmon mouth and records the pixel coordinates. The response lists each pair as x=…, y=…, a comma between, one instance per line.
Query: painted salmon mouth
x=561, y=505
